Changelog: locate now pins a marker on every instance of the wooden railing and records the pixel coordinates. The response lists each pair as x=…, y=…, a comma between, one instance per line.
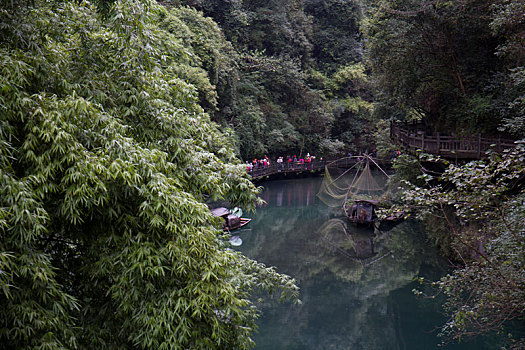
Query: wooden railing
x=316, y=165
x=473, y=147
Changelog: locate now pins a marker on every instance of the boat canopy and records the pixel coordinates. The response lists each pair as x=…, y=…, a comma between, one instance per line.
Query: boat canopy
x=221, y=211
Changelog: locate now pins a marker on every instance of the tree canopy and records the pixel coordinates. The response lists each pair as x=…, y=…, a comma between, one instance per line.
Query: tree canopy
x=451, y=63
x=292, y=93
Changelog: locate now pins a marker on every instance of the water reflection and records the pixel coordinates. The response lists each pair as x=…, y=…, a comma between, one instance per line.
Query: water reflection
x=350, y=241
x=355, y=283
x=290, y=193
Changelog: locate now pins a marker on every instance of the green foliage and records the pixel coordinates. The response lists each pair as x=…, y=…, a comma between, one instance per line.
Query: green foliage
x=483, y=205
x=438, y=59
x=513, y=105
x=213, y=59
x=385, y=147
x=507, y=19
x=297, y=87
x=350, y=78
x=106, y=161
x=335, y=35
x=275, y=111
x=280, y=28
x=407, y=172
x=354, y=111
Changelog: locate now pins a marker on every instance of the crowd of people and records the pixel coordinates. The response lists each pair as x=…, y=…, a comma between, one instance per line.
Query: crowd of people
x=291, y=161
x=280, y=161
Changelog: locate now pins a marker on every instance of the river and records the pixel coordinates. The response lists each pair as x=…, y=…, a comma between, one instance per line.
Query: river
x=355, y=285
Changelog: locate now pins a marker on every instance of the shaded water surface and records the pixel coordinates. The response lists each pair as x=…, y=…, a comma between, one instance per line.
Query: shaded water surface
x=356, y=285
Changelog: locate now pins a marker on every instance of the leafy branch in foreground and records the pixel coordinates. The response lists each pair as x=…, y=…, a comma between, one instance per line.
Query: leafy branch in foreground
x=483, y=204
x=106, y=162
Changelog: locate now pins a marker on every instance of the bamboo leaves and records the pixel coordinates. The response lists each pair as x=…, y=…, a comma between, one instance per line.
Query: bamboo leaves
x=106, y=159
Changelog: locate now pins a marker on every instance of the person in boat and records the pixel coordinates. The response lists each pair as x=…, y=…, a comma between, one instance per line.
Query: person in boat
x=362, y=215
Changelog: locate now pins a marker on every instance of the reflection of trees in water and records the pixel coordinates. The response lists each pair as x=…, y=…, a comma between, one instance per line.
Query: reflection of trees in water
x=290, y=193
x=345, y=274
x=367, y=268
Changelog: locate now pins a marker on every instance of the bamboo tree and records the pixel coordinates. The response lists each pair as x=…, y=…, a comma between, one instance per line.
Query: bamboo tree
x=106, y=163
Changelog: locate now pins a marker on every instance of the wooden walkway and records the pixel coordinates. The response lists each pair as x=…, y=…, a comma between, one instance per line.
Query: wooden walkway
x=411, y=138
x=316, y=166
x=452, y=147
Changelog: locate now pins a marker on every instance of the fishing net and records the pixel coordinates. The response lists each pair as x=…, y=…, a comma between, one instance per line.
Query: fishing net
x=334, y=188
x=365, y=184
x=361, y=178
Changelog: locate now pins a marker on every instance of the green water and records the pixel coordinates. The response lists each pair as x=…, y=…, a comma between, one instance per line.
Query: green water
x=356, y=285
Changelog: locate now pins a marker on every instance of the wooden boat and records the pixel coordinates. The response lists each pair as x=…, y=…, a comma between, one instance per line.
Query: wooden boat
x=231, y=221
x=362, y=211
x=363, y=194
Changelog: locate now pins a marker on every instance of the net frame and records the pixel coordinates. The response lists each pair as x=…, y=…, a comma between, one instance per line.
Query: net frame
x=336, y=192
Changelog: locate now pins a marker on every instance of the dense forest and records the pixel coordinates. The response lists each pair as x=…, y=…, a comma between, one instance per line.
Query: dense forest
x=324, y=75
x=121, y=120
